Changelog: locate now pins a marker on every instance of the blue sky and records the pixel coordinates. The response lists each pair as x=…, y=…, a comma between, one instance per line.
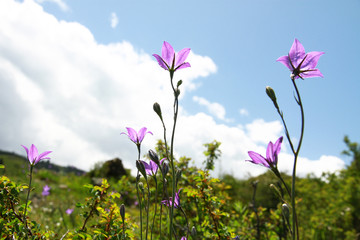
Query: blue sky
x=243, y=39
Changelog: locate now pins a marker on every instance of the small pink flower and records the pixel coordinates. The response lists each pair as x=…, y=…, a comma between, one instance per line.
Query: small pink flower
x=177, y=200
x=301, y=64
x=46, y=190
x=272, y=153
x=136, y=137
x=171, y=61
x=69, y=211
x=33, y=156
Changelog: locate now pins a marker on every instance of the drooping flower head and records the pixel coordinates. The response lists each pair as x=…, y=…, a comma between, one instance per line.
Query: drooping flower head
x=33, y=156
x=46, y=190
x=171, y=61
x=272, y=153
x=151, y=168
x=177, y=200
x=301, y=64
x=136, y=137
x=69, y=211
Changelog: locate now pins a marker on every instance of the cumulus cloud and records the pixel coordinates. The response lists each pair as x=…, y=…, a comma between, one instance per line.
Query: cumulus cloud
x=63, y=91
x=215, y=109
x=113, y=20
x=62, y=5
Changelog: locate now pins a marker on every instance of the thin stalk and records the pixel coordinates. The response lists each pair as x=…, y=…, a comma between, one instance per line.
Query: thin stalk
x=27, y=198
x=156, y=195
x=295, y=160
x=147, y=209
x=176, y=105
x=138, y=194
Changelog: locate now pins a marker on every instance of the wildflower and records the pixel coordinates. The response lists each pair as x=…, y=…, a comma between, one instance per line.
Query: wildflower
x=177, y=200
x=33, y=156
x=69, y=211
x=136, y=137
x=301, y=64
x=271, y=155
x=151, y=168
x=183, y=238
x=171, y=62
x=46, y=190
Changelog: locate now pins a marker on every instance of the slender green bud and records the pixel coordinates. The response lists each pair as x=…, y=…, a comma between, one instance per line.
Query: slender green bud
x=141, y=168
x=179, y=83
x=153, y=156
x=286, y=211
x=122, y=212
x=271, y=94
x=165, y=168
x=141, y=186
x=157, y=109
x=276, y=190
x=193, y=232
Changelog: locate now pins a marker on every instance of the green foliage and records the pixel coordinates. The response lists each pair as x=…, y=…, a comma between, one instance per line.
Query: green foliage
x=328, y=206
x=212, y=153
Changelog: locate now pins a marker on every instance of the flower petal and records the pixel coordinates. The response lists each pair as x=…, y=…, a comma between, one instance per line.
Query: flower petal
x=181, y=57
x=147, y=168
x=33, y=153
x=42, y=156
x=270, y=153
x=312, y=73
x=167, y=53
x=258, y=159
x=297, y=53
x=311, y=60
x=131, y=134
x=277, y=145
x=161, y=61
x=184, y=65
x=285, y=60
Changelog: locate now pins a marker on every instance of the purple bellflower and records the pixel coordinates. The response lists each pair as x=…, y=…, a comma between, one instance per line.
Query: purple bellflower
x=171, y=61
x=69, y=211
x=301, y=64
x=177, y=200
x=46, y=190
x=272, y=153
x=152, y=168
x=136, y=137
x=183, y=238
x=33, y=156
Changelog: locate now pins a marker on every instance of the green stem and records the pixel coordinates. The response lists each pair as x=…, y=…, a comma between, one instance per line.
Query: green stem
x=176, y=105
x=147, y=209
x=295, y=160
x=138, y=194
x=156, y=195
x=27, y=198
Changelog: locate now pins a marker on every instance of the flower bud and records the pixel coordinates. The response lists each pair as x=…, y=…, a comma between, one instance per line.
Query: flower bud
x=271, y=94
x=193, y=232
x=141, y=186
x=157, y=109
x=286, y=211
x=165, y=168
x=179, y=83
x=153, y=156
x=122, y=212
x=141, y=168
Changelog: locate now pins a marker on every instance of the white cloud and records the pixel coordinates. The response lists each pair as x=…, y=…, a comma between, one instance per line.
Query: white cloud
x=62, y=5
x=114, y=20
x=63, y=91
x=214, y=108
